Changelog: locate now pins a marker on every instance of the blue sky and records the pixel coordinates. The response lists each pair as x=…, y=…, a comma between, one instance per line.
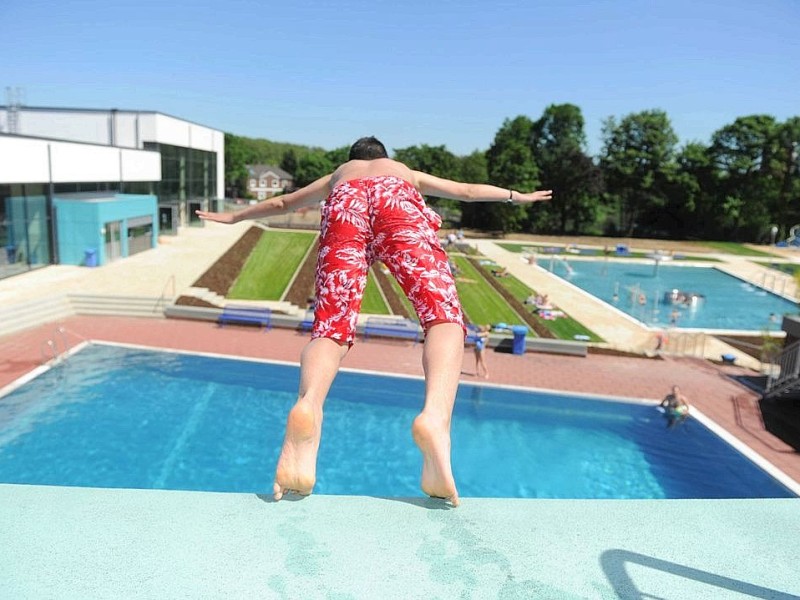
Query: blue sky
x=324, y=73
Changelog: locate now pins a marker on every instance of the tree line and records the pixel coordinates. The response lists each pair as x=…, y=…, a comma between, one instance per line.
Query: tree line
x=642, y=184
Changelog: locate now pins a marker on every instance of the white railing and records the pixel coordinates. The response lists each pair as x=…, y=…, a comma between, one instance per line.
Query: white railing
x=169, y=285
x=788, y=362
x=686, y=343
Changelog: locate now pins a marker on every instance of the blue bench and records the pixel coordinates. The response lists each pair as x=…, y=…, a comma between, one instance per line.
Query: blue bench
x=246, y=314
x=308, y=322
x=383, y=326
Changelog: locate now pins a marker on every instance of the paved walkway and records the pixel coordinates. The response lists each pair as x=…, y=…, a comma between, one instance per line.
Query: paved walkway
x=172, y=267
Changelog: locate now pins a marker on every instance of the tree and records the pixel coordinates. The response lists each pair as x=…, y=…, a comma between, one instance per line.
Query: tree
x=637, y=163
x=788, y=166
x=745, y=155
x=235, y=165
x=436, y=160
x=439, y=161
x=474, y=169
x=289, y=161
x=510, y=164
x=558, y=142
x=690, y=207
x=311, y=167
x=337, y=156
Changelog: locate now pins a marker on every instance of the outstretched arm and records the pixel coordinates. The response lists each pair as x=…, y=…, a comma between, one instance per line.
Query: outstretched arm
x=430, y=185
x=309, y=195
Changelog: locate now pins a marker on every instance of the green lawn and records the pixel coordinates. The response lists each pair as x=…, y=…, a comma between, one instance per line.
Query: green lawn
x=271, y=265
x=481, y=303
x=402, y=295
x=543, y=254
x=737, y=249
x=787, y=268
x=565, y=328
x=373, y=303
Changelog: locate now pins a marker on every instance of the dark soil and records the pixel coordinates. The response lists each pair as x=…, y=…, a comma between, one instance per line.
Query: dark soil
x=303, y=286
x=395, y=304
x=220, y=276
x=192, y=301
x=746, y=343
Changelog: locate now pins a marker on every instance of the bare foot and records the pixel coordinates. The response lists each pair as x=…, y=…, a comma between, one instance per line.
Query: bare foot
x=433, y=440
x=297, y=465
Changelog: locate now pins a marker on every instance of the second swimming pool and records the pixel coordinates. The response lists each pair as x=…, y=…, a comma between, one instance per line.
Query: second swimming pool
x=114, y=416
x=725, y=303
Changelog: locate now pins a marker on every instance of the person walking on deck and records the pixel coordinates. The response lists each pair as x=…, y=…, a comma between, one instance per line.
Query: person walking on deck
x=373, y=209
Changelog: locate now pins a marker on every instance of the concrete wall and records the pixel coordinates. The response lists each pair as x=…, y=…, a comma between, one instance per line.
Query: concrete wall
x=25, y=160
x=124, y=129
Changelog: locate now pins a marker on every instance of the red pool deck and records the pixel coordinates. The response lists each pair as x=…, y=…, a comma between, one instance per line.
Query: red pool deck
x=709, y=387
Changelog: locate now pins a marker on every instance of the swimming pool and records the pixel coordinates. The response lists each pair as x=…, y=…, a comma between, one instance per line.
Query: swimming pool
x=727, y=303
x=113, y=416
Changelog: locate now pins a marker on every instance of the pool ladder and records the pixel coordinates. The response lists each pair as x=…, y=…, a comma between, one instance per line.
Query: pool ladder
x=778, y=278
x=50, y=348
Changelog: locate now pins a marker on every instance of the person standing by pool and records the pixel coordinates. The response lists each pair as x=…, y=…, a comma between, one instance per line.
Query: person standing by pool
x=374, y=210
x=481, y=339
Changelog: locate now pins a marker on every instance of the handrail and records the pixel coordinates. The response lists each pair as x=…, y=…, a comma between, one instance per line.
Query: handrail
x=789, y=362
x=170, y=283
x=686, y=343
x=53, y=352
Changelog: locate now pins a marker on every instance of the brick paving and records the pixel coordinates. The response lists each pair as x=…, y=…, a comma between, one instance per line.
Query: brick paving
x=709, y=387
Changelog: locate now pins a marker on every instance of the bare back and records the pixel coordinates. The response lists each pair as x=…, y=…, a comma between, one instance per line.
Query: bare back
x=356, y=169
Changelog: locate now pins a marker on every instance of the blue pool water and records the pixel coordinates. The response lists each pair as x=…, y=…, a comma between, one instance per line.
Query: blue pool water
x=729, y=303
x=121, y=417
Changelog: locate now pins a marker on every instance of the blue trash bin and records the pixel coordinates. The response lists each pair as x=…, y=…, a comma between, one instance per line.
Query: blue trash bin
x=518, y=343
x=90, y=257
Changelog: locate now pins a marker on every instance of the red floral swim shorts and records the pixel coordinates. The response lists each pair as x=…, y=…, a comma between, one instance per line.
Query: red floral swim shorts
x=380, y=218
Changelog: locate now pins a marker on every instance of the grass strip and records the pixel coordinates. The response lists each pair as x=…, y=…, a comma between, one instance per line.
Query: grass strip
x=481, y=303
x=373, y=303
x=737, y=249
x=563, y=328
x=271, y=265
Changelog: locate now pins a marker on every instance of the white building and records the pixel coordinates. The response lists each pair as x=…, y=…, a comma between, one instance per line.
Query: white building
x=57, y=152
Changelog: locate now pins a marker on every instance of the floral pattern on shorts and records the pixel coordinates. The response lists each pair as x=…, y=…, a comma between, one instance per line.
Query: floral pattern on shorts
x=380, y=218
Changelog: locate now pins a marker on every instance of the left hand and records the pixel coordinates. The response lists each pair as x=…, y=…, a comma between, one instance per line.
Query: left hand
x=538, y=196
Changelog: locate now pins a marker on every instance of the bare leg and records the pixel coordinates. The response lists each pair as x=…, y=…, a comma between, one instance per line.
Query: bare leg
x=482, y=360
x=441, y=359
x=297, y=465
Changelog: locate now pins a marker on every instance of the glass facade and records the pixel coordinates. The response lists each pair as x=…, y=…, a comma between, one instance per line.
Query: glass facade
x=28, y=238
x=24, y=228
x=188, y=181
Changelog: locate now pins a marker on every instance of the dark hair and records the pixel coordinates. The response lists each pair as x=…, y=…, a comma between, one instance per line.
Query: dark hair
x=367, y=148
